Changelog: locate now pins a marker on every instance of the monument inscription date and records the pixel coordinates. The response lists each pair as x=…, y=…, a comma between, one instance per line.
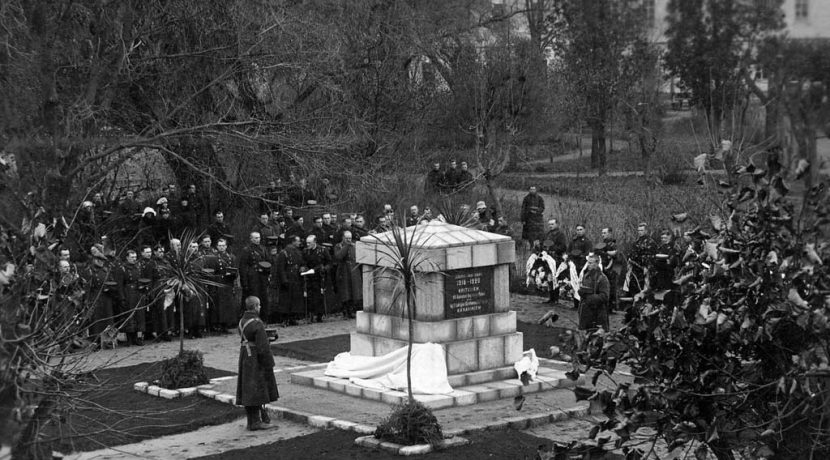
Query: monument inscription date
x=468, y=292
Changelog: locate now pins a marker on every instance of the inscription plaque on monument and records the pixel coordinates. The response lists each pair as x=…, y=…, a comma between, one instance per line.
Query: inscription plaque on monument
x=468, y=292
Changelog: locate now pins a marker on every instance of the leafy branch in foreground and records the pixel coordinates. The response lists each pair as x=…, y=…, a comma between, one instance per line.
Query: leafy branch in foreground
x=737, y=358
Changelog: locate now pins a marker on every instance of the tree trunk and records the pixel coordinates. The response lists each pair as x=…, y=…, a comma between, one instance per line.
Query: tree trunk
x=598, y=153
x=409, y=307
x=181, y=325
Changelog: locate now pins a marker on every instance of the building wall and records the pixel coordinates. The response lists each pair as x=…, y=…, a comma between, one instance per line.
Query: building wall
x=815, y=25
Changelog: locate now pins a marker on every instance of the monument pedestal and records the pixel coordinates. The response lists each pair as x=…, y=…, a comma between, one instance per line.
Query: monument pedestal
x=462, y=299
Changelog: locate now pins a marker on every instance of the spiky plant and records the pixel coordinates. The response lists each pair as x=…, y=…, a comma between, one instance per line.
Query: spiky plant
x=181, y=275
x=406, y=263
x=457, y=214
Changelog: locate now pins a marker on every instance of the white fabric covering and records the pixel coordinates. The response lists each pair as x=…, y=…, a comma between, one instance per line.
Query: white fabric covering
x=428, y=367
x=529, y=363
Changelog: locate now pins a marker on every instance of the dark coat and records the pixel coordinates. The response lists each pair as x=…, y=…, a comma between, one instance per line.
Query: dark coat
x=104, y=298
x=558, y=245
x=349, y=276
x=318, y=285
x=256, y=384
x=287, y=269
x=593, y=309
x=217, y=230
x=433, y=181
x=132, y=311
x=533, y=224
x=252, y=276
x=224, y=309
x=584, y=246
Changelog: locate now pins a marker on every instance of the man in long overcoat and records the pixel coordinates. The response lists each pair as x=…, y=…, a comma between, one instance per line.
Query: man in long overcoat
x=133, y=309
x=254, y=270
x=318, y=289
x=256, y=385
x=533, y=222
x=224, y=308
x=289, y=265
x=349, y=277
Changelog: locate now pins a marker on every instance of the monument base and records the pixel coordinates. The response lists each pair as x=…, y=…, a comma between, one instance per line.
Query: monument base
x=470, y=344
x=469, y=388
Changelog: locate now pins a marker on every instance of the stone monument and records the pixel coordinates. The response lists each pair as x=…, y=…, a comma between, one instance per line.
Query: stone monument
x=462, y=298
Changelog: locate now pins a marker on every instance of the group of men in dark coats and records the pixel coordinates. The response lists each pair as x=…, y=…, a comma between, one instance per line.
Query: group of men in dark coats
x=303, y=277
x=447, y=180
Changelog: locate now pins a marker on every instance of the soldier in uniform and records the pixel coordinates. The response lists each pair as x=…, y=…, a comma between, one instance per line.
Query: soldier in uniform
x=556, y=246
x=533, y=208
x=593, y=290
x=432, y=184
x=349, y=276
x=640, y=261
x=218, y=228
x=254, y=270
x=102, y=293
x=266, y=230
x=345, y=226
x=297, y=229
x=196, y=303
x=132, y=312
x=329, y=230
x=611, y=265
x=156, y=321
x=666, y=260
x=318, y=289
x=450, y=179
x=317, y=229
x=465, y=177
x=289, y=265
x=256, y=385
x=359, y=230
x=223, y=314
x=583, y=244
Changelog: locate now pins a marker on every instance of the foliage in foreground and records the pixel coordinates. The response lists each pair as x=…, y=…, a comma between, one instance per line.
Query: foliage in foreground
x=410, y=423
x=739, y=360
x=185, y=370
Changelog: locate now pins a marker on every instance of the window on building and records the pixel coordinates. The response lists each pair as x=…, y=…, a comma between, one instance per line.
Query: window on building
x=648, y=12
x=802, y=9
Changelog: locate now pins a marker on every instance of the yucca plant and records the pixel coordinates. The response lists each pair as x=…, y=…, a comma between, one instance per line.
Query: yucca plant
x=181, y=274
x=456, y=214
x=399, y=248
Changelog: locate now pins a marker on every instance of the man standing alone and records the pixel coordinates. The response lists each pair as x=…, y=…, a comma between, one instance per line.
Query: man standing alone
x=256, y=385
x=533, y=224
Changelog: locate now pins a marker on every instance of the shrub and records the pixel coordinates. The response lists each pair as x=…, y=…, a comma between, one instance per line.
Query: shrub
x=410, y=423
x=736, y=359
x=185, y=370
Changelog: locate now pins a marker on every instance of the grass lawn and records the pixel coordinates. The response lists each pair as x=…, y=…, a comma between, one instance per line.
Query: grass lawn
x=109, y=412
x=337, y=444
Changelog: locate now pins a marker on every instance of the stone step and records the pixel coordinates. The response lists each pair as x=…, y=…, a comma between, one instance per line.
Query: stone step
x=546, y=379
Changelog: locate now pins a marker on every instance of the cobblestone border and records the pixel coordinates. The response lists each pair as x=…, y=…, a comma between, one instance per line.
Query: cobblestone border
x=324, y=422
x=417, y=449
x=154, y=390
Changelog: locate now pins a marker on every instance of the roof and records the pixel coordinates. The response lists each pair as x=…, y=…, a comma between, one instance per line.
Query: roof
x=436, y=234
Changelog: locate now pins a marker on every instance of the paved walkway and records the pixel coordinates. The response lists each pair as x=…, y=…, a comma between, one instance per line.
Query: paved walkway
x=222, y=352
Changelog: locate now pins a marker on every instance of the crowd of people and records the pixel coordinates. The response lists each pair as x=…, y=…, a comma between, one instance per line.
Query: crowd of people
x=299, y=270
x=595, y=274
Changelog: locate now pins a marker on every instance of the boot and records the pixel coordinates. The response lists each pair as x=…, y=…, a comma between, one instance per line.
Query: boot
x=254, y=423
x=263, y=415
